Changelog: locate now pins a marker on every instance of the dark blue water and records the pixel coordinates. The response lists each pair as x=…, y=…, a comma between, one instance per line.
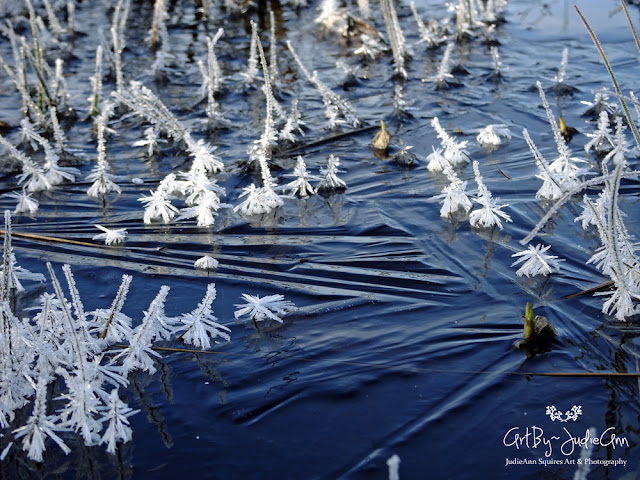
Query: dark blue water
x=404, y=338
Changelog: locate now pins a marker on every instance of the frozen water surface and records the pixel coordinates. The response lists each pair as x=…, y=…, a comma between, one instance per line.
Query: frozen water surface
x=403, y=342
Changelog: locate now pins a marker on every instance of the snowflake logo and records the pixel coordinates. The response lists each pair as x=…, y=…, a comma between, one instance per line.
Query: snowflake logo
x=572, y=414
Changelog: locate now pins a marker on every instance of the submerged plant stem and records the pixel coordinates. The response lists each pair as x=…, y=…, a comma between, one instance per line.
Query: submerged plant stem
x=33, y=236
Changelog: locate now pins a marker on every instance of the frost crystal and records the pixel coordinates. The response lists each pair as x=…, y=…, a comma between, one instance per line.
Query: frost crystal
x=206, y=263
x=110, y=236
x=536, y=262
x=117, y=414
x=201, y=325
x=454, y=196
x=601, y=140
x=158, y=206
x=271, y=307
x=300, y=186
x=330, y=181
x=490, y=135
x=454, y=152
x=490, y=212
x=25, y=204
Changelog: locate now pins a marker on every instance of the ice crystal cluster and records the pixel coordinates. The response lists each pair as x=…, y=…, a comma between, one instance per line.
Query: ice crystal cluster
x=63, y=368
x=60, y=364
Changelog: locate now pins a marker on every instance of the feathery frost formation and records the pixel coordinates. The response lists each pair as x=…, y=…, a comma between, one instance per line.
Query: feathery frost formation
x=56, y=365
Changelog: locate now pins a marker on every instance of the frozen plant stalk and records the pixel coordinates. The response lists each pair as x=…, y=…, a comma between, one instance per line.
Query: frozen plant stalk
x=454, y=196
x=212, y=78
x=334, y=105
x=444, y=71
x=489, y=214
x=102, y=180
x=396, y=38
x=301, y=186
x=330, y=180
x=201, y=325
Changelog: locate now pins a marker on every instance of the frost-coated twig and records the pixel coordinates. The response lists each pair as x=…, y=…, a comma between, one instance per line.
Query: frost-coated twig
x=96, y=84
x=159, y=16
x=552, y=187
x=562, y=70
x=396, y=39
x=102, y=180
x=212, y=78
x=334, y=104
x=120, y=14
x=273, y=56
x=567, y=196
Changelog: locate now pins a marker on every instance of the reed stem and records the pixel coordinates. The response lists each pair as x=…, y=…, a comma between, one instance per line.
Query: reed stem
x=616, y=86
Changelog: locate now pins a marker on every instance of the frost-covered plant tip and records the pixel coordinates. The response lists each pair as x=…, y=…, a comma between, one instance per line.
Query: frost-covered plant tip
x=535, y=261
x=111, y=236
x=491, y=136
x=271, y=307
x=490, y=212
x=454, y=154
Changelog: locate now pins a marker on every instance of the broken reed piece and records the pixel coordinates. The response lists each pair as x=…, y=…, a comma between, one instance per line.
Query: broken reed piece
x=380, y=142
x=537, y=330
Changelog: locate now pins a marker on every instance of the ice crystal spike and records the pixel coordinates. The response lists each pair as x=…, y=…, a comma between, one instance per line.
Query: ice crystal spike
x=39, y=426
x=25, y=203
x=426, y=37
x=212, y=78
x=110, y=236
x=562, y=70
x=201, y=325
x=497, y=64
x=564, y=164
x=11, y=272
x=118, y=24
x=443, y=76
x=552, y=187
x=330, y=180
x=396, y=38
x=116, y=413
x=155, y=325
x=271, y=307
x=490, y=212
x=251, y=73
x=535, y=261
x=454, y=152
x=273, y=54
x=334, y=105
x=300, y=186
x=102, y=180
x=454, y=196
x=113, y=325
x=601, y=140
